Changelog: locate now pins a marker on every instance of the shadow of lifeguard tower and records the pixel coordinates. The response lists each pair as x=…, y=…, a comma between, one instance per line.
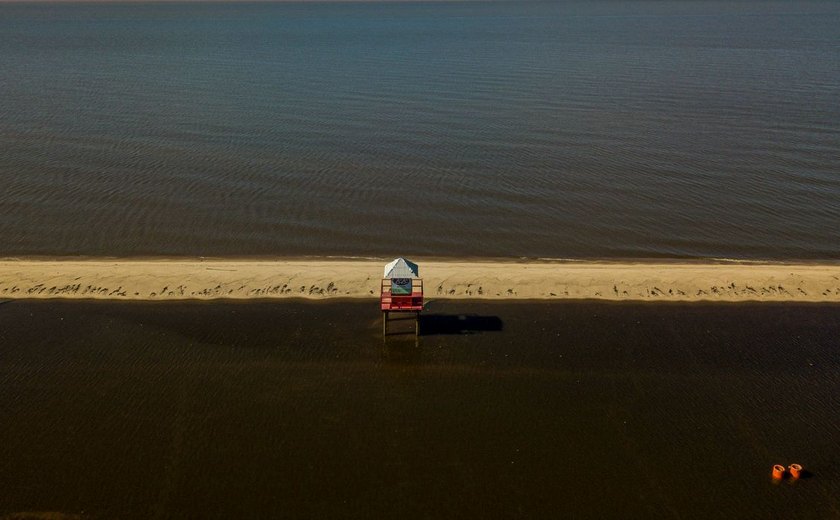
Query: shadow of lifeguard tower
x=401, y=292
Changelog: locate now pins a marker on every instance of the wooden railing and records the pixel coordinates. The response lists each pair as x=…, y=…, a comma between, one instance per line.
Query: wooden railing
x=401, y=302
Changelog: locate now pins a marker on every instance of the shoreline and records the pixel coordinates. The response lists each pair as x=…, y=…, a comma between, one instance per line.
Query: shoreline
x=160, y=279
x=426, y=259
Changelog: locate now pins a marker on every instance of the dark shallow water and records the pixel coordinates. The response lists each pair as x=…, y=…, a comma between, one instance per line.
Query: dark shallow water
x=504, y=129
x=530, y=410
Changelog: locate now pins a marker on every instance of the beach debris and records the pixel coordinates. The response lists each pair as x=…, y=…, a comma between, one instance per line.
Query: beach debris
x=794, y=471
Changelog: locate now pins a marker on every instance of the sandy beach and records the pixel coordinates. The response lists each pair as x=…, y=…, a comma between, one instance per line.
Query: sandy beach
x=206, y=279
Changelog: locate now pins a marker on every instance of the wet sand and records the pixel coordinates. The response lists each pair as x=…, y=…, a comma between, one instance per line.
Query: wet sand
x=533, y=410
x=204, y=279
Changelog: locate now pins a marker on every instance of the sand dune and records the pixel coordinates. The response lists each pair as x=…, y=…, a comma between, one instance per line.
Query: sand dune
x=135, y=279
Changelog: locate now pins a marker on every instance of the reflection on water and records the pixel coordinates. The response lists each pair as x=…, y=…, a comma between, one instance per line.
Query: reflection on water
x=141, y=410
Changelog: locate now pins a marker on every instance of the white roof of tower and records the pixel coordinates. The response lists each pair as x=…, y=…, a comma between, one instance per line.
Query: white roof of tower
x=401, y=268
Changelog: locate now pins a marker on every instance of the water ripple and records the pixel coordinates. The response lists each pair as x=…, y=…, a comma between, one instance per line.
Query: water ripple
x=506, y=129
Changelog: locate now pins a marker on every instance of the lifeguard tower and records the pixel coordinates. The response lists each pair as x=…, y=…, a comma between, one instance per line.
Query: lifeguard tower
x=402, y=291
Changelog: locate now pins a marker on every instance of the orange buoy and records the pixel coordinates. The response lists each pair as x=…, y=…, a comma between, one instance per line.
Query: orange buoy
x=795, y=471
x=778, y=472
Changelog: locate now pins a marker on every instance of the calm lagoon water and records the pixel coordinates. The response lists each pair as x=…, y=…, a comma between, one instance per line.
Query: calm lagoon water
x=504, y=129
x=503, y=410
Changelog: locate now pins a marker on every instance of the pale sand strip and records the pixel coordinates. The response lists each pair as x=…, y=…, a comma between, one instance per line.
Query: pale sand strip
x=316, y=279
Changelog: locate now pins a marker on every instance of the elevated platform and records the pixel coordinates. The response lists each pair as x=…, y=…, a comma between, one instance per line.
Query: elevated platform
x=401, y=295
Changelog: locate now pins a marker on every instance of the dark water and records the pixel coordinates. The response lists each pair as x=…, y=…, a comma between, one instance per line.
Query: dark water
x=560, y=129
x=294, y=410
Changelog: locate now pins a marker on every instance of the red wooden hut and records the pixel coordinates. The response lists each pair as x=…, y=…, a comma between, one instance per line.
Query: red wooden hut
x=401, y=291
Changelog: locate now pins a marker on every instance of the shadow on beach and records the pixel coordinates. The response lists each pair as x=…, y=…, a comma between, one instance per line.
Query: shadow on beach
x=445, y=324
x=449, y=324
